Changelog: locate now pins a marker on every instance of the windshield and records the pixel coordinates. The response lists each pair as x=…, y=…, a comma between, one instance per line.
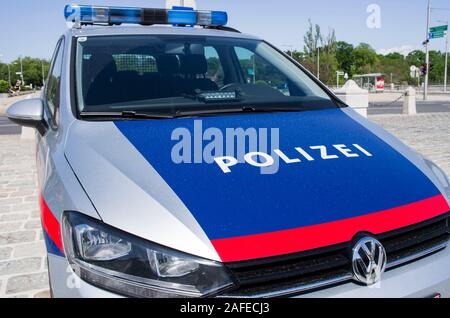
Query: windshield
x=169, y=74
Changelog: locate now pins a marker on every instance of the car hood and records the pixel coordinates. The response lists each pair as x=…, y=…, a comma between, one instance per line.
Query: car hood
x=132, y=173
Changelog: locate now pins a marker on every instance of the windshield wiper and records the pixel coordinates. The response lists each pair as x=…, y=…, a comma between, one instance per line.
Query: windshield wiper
x=233, y=110
x=126, y=115
x=180, y=113
x=271, y=109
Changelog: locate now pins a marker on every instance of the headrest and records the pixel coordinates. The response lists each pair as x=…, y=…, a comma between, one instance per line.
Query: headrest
x=193, y=64
x=100, y=63
x=168, y=64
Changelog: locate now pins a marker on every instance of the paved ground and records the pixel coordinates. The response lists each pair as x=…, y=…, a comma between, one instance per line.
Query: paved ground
x=22, y=251
x=429, y=134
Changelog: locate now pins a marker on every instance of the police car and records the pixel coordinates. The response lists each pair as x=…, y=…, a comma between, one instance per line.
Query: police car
x=178, y=157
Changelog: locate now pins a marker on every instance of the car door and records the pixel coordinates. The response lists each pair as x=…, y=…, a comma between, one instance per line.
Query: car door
x=46, y=144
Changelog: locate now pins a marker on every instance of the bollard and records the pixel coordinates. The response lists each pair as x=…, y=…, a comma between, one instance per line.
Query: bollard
x=409, y=102
x=354, y=96
x=28, y=133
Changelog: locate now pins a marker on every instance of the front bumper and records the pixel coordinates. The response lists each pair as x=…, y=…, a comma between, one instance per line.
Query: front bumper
x=420, y=279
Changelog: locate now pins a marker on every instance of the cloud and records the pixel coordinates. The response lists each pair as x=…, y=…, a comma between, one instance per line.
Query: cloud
x=404, y=50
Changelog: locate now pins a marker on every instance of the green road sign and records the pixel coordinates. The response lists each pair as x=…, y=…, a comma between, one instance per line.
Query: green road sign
x=438, y=34
x=440, y=28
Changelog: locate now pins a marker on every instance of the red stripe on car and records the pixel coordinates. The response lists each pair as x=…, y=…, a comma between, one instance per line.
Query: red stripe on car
x=50, y=224
x=327, y=234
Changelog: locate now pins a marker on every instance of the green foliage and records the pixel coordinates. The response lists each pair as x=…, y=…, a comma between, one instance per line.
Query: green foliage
x=365, y=58
x=32, y=70
x=312, y=39
x=345, y=57
x=416, y=58
x=396, y=65
x=319, y=47
x=362, y=59
x=4, y=86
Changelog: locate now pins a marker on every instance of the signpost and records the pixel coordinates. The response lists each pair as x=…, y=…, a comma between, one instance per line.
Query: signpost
x=441, y=28
x=446, y=62
x=415, y=73
x=427, y=51
x=338, y=73
x=439, y=32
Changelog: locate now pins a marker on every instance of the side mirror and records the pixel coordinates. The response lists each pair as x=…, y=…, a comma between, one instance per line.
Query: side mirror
x=28, y=113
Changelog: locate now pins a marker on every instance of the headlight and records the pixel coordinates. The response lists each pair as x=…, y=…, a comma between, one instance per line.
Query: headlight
x=442, y=178
x=117, y=261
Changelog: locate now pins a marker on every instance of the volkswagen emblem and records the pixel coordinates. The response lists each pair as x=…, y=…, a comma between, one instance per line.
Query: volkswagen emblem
x=369, y=261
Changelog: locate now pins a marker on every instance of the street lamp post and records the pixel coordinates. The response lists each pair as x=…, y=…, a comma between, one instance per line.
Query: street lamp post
x=21, y=71
x=318, y=62
x=43, y=73
x=9, y=71
x=446, y=61
x=446, y=55
x=9, y=74
x=427, y=59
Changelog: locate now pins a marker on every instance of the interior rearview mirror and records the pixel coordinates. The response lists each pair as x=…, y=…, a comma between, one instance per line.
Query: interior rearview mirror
x=28, y=113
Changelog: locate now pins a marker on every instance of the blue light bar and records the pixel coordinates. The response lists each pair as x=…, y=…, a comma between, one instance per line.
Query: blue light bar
x=125, y=15
x=80, y=14
x=181, y=16
x=212, y=18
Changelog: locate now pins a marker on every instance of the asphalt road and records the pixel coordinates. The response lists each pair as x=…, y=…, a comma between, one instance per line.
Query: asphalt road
x=8, y=128
x=396, y=108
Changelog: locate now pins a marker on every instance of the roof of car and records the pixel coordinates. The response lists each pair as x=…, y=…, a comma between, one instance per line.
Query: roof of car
x=155, y=30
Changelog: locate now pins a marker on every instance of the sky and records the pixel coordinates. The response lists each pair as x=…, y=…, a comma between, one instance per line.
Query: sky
x=31, y=28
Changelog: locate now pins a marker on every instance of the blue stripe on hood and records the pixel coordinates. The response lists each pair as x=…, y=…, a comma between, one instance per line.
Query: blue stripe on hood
x=247, y=202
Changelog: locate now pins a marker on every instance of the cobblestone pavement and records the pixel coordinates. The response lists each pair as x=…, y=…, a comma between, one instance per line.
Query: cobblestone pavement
x=429, y=134
x=23, y=264
x=22, y=250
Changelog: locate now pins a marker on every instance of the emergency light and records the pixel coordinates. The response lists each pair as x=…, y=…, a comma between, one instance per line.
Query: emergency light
x=87, y=14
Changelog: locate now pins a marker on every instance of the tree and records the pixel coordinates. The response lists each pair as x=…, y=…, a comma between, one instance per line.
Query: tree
x=316, y=44
x=312, y=39
x=394, y=66
x=32, y=70
x=345, y=57
x=437, y=66
x=416, y=58
x=365, y=58
x=4, y=86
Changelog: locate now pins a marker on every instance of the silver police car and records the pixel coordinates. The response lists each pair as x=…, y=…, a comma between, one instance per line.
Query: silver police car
x=181, y=158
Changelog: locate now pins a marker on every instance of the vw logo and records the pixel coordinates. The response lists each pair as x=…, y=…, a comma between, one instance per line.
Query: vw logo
x=369, y=261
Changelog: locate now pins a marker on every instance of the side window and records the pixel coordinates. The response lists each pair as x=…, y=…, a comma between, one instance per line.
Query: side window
x=257, y=70
x=215, y=69
x=54, y=79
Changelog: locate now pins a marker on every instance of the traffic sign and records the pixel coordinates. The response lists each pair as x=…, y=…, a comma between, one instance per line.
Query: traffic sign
x=438, y=34
x=440, y=28
x=415, y=72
